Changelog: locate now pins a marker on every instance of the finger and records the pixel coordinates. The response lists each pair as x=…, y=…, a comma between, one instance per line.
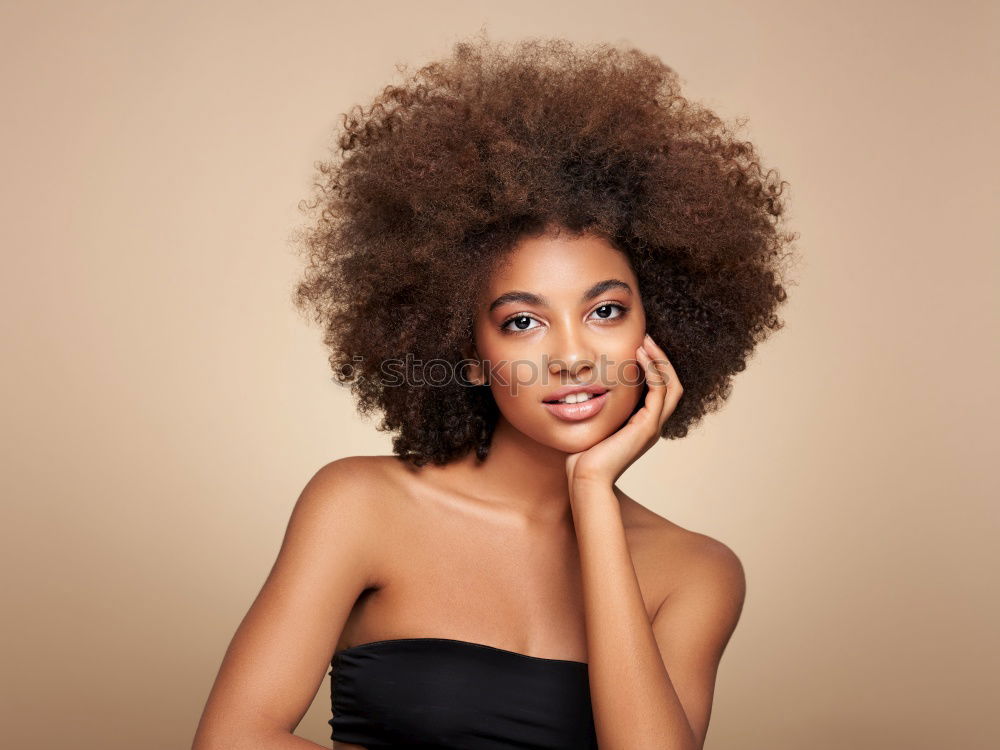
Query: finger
x=653, y=375
x=663, y=364
x=666, y=370
x=657, y=390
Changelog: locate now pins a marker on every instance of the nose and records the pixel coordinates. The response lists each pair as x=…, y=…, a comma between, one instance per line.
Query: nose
x=571, y=351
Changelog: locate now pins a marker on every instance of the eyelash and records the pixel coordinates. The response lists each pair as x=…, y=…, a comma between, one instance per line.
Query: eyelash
x=503, y=326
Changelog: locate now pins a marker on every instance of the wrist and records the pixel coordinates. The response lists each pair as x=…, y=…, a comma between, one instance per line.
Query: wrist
x=589, y=486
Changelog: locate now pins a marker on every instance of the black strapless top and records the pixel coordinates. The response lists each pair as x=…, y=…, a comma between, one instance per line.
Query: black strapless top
x=445, y=693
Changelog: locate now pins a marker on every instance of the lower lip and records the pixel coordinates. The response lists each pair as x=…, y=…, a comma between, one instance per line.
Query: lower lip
x=576, y=412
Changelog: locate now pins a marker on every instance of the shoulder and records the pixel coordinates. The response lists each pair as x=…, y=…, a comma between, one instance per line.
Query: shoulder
x=355, y=467
x=369, y=485
x=344, y=496
x=350, y=480
x=701, y=592
x=711, y=570
x=681, y=559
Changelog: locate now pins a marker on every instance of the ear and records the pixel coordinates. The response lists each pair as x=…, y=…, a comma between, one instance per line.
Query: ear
x=473, y=367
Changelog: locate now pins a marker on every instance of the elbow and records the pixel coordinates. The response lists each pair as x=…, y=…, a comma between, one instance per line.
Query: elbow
x=244, y=738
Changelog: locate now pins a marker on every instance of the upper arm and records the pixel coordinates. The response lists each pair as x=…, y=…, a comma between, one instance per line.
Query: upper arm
x=281, y=650
x=694, y=624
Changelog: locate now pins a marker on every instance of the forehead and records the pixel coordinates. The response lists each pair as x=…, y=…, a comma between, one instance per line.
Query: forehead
x=551, y=265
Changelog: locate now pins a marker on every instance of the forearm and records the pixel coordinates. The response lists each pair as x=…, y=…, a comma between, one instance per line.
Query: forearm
x=635, y=704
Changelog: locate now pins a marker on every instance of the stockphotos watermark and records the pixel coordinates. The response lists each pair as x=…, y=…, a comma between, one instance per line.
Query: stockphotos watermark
x=440, y=372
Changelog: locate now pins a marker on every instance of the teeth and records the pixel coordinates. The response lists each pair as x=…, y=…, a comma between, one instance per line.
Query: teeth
x=575, y=398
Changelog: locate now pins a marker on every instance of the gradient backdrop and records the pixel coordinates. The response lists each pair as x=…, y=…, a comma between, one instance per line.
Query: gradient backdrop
x=164, y=404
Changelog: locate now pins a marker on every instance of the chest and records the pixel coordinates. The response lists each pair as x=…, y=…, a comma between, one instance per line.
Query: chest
x=516, y=589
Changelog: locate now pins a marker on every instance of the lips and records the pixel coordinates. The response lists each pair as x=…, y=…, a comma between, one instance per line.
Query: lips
x=566, y=390
x=579, y=411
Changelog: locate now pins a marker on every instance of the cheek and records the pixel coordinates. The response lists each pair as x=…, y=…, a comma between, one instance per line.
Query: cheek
x=624, y=368
x=517, y=387
x=520, y=408
x=514, y=382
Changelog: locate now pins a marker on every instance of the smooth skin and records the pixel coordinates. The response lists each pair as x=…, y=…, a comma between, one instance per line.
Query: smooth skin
x=534, y=551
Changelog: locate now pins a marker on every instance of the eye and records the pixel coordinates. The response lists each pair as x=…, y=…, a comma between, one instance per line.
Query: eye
x=605, y=309
x=521, y=320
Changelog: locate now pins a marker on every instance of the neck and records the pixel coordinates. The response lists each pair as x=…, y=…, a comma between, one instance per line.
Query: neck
x=525, y=476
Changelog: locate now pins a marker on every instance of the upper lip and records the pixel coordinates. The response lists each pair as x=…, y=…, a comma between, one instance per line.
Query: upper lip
x=563, y=392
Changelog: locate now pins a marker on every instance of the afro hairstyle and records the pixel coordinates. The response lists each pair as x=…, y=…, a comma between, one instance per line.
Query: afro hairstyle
x=434, y=182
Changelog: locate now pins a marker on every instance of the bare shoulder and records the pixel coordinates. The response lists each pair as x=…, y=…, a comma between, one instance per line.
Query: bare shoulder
x=362, y=485
x=360, y=469
x=283, y=645
x=673, y=557
x=344, y=508
x=355, y=481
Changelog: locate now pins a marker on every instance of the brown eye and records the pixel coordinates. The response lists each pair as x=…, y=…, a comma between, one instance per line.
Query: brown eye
x=520, y=324
x=605, y=310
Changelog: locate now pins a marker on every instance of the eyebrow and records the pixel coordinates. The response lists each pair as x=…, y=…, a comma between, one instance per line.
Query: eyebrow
x=530, y=298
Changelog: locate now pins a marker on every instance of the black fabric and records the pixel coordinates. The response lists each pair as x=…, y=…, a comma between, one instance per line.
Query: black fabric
x=445, y=693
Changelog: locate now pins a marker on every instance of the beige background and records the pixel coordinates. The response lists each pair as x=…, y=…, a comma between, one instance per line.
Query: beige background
x=164, y=404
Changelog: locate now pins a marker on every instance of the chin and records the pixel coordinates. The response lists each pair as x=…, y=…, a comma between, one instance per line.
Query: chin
x=576, y=446
x=571, y=438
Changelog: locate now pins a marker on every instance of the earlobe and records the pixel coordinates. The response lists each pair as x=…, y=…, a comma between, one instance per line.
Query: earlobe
x=473, y=366
x=473, y=373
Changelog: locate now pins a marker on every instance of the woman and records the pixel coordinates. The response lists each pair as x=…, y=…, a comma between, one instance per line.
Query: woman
x=511, y=228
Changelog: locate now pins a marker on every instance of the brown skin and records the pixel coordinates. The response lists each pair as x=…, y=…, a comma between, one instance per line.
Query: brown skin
x=487, y=552
x=536, y=348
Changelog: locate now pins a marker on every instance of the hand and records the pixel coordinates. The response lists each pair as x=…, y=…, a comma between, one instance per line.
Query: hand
x=605, y=462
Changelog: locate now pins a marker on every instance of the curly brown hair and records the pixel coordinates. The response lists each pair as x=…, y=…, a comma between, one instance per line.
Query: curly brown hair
x=440, y=176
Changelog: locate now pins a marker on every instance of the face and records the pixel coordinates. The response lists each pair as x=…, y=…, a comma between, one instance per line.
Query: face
x=564, y=311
